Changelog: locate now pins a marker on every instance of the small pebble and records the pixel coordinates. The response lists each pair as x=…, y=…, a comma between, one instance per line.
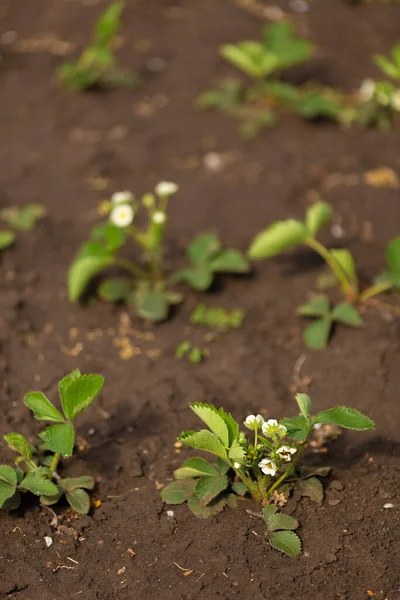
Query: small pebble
x=48, y=540
x=213, y=162
x=388, y=505
x=170, y=513
x=337, y=231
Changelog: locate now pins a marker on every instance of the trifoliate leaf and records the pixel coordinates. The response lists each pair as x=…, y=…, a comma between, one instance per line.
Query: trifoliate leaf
x=82, y=271
x=230, y=261
x=287, y=542
x=205, y=511
x=281, y=521
x=347, y=314
x=80, y=394
x=203, y=248
x=195, y=467
x=312, y=488
x=318, y=215
x=208, y=488
x=278, y=237
x=79, y=500
x=343, y=416
x=42, y=408
x=203, y=440
x=178, y=492
x=304, y=403
x=115, y=289
x=6, y=239
x=60, y=438
x=317, y=307
x=210, y=416
x=19, y=444
x=8, y=483
x=316, y=335
x=72, y=483
x=38, y=484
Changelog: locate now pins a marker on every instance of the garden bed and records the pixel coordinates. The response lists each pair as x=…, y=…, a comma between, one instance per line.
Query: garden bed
x=68, y=151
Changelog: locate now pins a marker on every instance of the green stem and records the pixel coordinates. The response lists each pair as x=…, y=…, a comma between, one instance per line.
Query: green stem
x=54, y=462
x=288, y=471
x=130, y=266
x=249, y=483
x=374, y=290
x=346, y=285
x=139, y=237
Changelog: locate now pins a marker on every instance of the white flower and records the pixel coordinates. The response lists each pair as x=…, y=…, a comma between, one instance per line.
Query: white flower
x=285, y=453
x=367, y=89
x=166, y=188
x=268, y=466
x=272, y=427
x=236, y=465
x=158, y=217
x=254, y=422
x=396, y=100
x=122, y=215
x=122, y=197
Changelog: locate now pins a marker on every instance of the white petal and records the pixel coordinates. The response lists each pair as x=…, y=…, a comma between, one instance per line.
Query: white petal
x=122, y=215
x=166, y=188
x=122, y=197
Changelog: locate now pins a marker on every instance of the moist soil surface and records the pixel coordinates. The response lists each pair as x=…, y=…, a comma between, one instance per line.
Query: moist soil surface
x=69, y=151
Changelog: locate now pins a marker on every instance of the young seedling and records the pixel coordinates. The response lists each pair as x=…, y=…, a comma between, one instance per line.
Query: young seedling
x=207, y=258
x=392, y=273
x=18, y=219
x=259, y=467
x=219, y=319
x=194, y=354
x=36, y=466
x=379, y=101
x=97, y=64
x=256, y=104
x=316, y=335
x=283, y=235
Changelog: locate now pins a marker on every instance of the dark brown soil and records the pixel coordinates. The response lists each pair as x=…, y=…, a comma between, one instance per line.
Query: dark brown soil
x=54, y=148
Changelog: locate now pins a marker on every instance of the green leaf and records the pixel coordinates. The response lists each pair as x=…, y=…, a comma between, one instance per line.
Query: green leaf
x=233, y=426
x=230, y=261
x=389, y=68
x=317, y=307
x=114, y=237
x=281, y=521
x=50, y=500
x=304, y=402
x=343, y=416
x=12, y=503
x=6, y=239
x=82, y=271
x=345, y=260
x=280, y=38
x=297, y=427
x=392, y=254
x=269, y=510
x=19, y=444
x=42, y=408
x=347, y=314
x=208, y=488
x=205, y=511
x=203, y=440
x=23, y=218
x=8, y=484
x=60, y=438
x=236, y=452
x=108, y=24
x=318, y=215
x=64, y=384
x=115, y=289
x=38, y=484
x=195, y=467
x=316, y=335
x=79, y=500
x=287, y=542
x=312, y=488
x=278, y=237
x=222, y=466
x=211, y=417
x=203, y=248
x=178, y=492
x=151, y=306
x=80, y=394
x=245, y=57
x=239, y=488
x=72, y=483
x=199, y=278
